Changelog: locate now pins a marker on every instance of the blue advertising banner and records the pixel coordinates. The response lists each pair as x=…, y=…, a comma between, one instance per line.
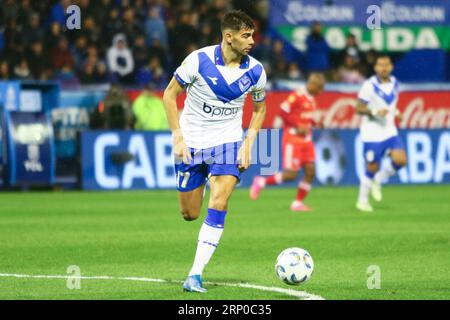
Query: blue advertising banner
x=30, y=149
x=10, y=95
x=150, y=164
x=349, y=12
x=72, y=116
x=143, y=160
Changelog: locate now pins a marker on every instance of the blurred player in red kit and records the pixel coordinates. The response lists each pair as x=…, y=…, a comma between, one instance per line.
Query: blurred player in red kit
x=297, y=113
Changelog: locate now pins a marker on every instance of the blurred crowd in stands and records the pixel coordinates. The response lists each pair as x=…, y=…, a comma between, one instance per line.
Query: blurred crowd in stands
x=141, y=42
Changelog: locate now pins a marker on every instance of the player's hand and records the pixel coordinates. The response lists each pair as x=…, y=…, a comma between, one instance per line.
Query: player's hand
x=382, y=113
x=244, y=155
x=302, y=130
x=180, y=149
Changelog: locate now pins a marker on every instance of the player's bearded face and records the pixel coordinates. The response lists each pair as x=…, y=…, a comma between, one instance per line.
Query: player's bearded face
x=242, y=41
x=383, y=68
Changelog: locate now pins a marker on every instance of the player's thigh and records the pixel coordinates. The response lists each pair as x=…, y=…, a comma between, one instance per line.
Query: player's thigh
x=221, y=188
x=399, y=157
x=191, y=202
x=291, y=157
x=191, y=179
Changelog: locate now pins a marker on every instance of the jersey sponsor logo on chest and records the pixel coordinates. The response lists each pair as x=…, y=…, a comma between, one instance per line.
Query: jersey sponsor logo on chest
x=220, y=112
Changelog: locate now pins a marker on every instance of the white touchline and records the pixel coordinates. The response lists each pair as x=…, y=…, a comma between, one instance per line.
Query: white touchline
x=290, y=292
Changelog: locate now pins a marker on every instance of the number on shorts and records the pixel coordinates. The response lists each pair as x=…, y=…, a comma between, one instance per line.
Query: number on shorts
x=184, y=182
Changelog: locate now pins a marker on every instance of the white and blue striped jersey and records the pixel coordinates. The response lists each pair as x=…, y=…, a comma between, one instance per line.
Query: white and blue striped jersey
x=212, y=113
x=378, y=95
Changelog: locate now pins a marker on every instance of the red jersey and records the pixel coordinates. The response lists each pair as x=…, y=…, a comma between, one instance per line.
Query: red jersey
x=298, y=110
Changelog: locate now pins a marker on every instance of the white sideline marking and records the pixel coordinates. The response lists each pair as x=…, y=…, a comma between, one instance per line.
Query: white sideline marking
x=290, y=292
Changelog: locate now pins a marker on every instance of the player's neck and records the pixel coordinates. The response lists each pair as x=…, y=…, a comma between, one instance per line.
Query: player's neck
x=384, y=80
x=230, y=57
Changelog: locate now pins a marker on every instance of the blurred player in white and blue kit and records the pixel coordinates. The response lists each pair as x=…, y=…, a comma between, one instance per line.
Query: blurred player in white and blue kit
x=377, y=102
x=208, y=138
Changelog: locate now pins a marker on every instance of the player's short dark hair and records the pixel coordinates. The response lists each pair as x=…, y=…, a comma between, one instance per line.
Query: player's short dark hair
x=237, y=20
x=383, y=56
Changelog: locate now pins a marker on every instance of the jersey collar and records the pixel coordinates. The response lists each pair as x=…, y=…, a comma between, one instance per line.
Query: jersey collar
x=218, y=59
x=381, y=82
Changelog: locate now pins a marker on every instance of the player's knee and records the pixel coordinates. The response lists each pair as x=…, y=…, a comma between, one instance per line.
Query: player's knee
x=289, y=175
x=310, y=175
x=372, y=167
x=400, y=161
x=218, y=204
x=190, y=215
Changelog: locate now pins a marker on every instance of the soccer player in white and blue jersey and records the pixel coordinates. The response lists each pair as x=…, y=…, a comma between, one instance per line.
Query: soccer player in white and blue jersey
x=377, y=102
x=208, y=138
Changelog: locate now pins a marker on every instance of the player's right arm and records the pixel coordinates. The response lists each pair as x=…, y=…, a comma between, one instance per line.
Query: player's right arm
x=364, y=96
x=171, y=93
x=363, y=109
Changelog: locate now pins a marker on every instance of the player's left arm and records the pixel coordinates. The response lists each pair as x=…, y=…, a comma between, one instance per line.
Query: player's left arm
x=258, y=116
x=258, y=93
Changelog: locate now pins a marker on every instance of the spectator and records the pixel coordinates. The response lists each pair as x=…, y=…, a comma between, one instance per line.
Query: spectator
x=66, y=77
x=368, y=63
x=117, y=111
x=87, y=74
x=101, y=73
x=120, y=60
x=155, y=28
x=54, y=36
x=317, y=52
x=58, y=12
x=263, y=50
x=152, y=73
x=157, y=51
x=79, y=51
x=140, y=11
x=24, y=13
x=149, y=112
x=90, y=30
x=61, y=55
x=22, y=70
x=34, y=30
x=349, y=72
x=130, y=26
x=294, y=72
x=9, y=10
x=100, y=11
x=351, y=49
x=140, y=52
x=112, y=27
x=13, y=39
x=278, y=60
x=38, y=60
x=182, y=36
x=86, y=7
x=4, y=70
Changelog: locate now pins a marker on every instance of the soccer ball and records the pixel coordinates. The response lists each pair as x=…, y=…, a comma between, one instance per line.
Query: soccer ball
x=294, y=266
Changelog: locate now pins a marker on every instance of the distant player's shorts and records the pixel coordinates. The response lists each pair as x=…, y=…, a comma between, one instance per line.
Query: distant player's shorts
x=296, y=155
x=215, y=161
x=375, y=151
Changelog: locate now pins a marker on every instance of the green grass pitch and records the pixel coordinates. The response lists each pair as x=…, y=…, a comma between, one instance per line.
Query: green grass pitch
x=141, y=234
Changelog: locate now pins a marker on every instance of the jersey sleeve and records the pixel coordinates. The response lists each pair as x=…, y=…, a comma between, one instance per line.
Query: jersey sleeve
x=288, y=109
x=259, y=89
x=186, y=73
x=365, y=93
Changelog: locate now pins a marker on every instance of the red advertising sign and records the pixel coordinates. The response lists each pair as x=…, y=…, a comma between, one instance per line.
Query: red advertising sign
x=419, y=109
